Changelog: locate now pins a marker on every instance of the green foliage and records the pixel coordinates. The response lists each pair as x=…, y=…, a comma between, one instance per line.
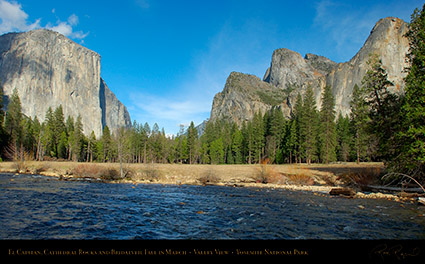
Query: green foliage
x=13, y=123
x=3, y=135
x=327, y=128
x=359, y=119
x=192, y=136
x=381, y=126
x=343, y=136
x=309, y=126
x=217, y=151
x=409, y=156
x=270, y=98
x=384, y=107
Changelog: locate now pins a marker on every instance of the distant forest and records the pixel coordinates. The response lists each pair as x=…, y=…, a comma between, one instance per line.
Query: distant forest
x=382, y=126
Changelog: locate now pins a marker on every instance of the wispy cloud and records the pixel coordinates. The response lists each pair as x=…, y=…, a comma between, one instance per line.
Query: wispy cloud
x=14, y=18
x=66, y=27
x=344, y=25
x=242, y=47
x=348, y=25
x=142, y=3
x=168, y=110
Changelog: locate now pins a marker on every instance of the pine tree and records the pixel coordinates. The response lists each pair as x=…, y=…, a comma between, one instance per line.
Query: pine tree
x=327, y=133
x=62, y=145
x=248, y=141
x=69, y=128
x=309, y=126
x=192, y=136
x=57, y=130
x=291, y=139
x=343, y=138
x=77, y=140
x=410, y=156
x=38, y=134
x=29, y=136
x=3, y=134
x=217, y=151
x=384, y=107
x=237, y=140
x=359, y=118
x=13, y=125
x=145, y=133
x=49, y=135
x=258, y=136
x=274, y=125
x=91, y=147
x=297, y=115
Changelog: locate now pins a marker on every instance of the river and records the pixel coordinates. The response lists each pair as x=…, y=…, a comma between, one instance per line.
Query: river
x=39, y=207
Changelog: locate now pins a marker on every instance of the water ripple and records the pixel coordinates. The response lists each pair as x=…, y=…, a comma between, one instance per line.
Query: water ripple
x=43, y=208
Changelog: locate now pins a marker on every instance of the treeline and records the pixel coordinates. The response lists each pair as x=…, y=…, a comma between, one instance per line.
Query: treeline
x=308, y=136
x=382, y=126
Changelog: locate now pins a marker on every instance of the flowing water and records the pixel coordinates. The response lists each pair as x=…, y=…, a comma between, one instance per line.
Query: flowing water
x=38, y=207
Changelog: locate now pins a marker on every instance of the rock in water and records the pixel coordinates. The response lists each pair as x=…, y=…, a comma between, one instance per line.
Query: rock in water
x=343, y=191
x=49, y=70
x=289, y=74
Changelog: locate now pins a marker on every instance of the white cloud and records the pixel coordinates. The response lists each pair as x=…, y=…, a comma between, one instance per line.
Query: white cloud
x=63, y=28
x=13, y=18
x=66, y=28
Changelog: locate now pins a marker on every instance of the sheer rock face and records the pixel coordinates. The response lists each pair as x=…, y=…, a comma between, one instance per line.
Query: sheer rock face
x=48, y=69
x=113, y=111
x=290, y=74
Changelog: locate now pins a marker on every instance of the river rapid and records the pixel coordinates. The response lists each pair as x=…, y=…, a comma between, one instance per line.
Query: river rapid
x=39, y=207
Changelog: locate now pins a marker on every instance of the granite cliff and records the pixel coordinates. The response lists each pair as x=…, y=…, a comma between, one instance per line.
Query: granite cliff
x=48, y=69
x=290, y=73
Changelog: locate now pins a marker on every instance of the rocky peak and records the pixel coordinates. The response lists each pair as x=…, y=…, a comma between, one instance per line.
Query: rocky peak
x=319, y=63
x=290, y=73
x=48, y=70
x=243, y=96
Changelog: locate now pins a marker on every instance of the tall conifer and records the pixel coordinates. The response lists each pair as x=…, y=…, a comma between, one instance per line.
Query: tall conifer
x=327, y=127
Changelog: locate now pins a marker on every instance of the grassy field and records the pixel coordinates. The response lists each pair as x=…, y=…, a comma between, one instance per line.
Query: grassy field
x=317, y=178
x=295, y=174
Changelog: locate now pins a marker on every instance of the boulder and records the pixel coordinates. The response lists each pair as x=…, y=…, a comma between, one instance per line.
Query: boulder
x=344, y=191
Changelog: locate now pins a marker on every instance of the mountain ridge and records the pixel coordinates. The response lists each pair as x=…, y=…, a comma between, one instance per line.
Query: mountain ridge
x=290, y=73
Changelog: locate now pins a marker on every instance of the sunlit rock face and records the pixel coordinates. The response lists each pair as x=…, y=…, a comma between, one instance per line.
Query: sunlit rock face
x=290, y=73
x=48, y=69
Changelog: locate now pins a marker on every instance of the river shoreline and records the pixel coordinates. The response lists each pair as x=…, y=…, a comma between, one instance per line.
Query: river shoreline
x=319, y=179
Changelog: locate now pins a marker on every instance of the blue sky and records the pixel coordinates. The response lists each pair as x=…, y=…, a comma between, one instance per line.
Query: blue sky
x=165, y=60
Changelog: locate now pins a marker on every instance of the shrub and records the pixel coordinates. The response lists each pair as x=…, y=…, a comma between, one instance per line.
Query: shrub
x=301, y=179
x=209, y=177
x=149, y=173
x=362, y=177
x=267, y=174
x=96, y=171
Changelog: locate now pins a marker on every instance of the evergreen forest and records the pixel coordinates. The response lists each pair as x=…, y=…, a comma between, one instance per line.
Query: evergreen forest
x=382, y=126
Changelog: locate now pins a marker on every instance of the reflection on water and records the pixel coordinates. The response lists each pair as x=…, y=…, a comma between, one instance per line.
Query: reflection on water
x=37, y=207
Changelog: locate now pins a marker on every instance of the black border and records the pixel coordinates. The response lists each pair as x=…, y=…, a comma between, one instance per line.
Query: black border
x=376, y=251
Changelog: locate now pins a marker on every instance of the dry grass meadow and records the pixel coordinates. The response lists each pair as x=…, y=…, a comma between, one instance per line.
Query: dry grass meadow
x=288, y=174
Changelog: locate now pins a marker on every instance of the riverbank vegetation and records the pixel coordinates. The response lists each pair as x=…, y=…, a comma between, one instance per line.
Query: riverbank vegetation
x=262, y=174
x=383, y=126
